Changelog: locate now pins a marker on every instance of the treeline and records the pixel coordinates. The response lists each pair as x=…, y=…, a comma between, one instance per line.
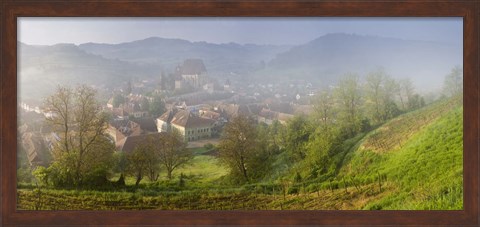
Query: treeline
x=310, y=147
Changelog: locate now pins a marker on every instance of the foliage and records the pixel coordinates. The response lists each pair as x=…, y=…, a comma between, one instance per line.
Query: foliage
x=83, y=149
x=117, y=100
x=297, y=134
x=348, y=95
x=157, y=106
x=238, y=147
x=453, y=84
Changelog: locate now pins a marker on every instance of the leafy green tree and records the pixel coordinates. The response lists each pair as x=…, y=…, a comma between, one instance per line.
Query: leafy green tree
x=237, y=147
x=453, y=84
x=320, y=150
x=348, y=95
x=83, y=150
x=297, y=135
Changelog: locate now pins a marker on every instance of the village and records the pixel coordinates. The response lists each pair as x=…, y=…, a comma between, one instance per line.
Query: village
x=187, y=100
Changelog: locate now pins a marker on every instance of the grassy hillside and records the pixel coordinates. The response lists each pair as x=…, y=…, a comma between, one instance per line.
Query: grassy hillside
x=419, y=155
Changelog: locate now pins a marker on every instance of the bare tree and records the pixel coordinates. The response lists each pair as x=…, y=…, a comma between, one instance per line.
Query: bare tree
x=172, y=151
x=143, y=161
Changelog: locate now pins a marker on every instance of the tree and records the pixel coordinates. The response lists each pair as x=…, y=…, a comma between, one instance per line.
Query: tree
x=374, y=90
x=238, y=145
x=117, y=100
x=320, y=149
x=277, y=133
x=172, y=151
x=145, y=104
x=453, y=84
x=406, y=92
x=83, y=149
x=324, y=108
x=143, y=161
x=348, y=95
x=416, y=101
x=157, y=107
x=297, y=135
x=391, y=88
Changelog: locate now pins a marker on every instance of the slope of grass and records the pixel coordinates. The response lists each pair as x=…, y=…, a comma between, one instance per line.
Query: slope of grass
x=393, y=134
x=426, y=169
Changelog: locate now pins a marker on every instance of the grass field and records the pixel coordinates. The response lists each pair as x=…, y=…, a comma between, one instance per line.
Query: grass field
x=427, y=168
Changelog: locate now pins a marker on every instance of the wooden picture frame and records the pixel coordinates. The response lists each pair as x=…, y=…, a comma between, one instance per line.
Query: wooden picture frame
x=11, y=9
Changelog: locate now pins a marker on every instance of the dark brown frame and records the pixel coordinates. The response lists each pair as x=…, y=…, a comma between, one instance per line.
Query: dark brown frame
x=11, y=9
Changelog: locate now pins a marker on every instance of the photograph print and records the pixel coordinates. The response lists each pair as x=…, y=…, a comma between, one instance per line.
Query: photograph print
x=229, y=113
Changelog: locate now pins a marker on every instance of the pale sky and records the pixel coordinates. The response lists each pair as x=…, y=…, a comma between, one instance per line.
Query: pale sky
x=77, y=30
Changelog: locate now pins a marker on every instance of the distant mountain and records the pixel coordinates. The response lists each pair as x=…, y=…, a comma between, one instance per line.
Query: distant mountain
x=321, y=60
x=329, y=56
x=220, y=59
x=41, y=68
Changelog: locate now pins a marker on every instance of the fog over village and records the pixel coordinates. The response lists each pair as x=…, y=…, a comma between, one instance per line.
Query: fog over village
x=191, y=118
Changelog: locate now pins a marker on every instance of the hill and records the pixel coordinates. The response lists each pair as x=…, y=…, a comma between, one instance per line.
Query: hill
x=331, y=55
x=220, y=59
x=41, y=68
x=418, y=155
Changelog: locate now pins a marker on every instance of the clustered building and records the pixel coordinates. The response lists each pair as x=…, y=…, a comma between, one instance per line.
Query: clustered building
x=198, y=114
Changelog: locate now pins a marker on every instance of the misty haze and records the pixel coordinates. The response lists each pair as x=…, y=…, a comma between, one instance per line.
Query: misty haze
x=196, y=115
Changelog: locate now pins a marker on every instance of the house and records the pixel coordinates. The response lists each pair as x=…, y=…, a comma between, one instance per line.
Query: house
x=219, y=121
x=120, y=129
x=147, y=124
x=268, y=116
x=134, y=109
x=189, y=125
x=34, y=146
x=132, y=106
x=229, y=111
x=163, y=122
